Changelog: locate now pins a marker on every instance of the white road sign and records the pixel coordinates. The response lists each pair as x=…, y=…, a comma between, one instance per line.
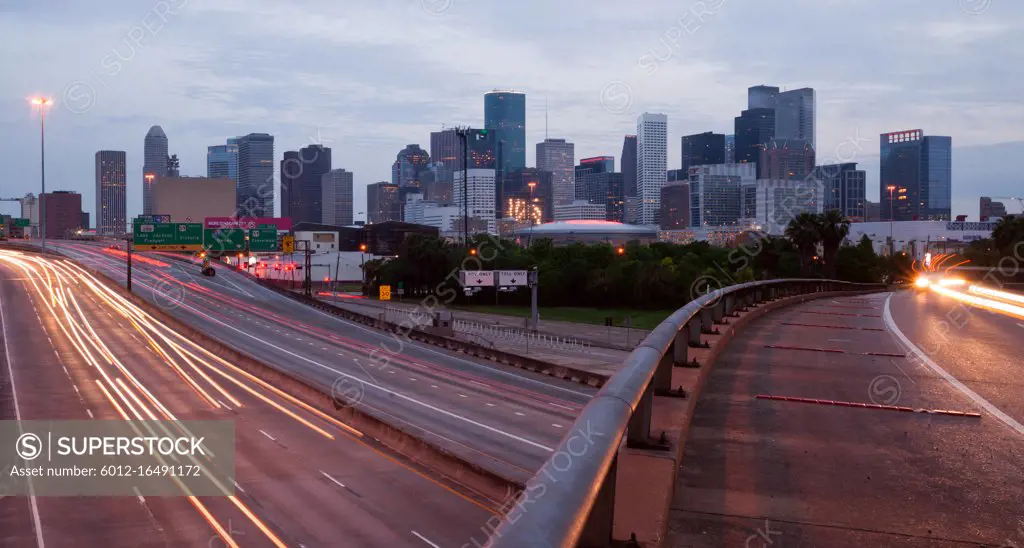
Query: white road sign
x=477, y=278
x=512, y=277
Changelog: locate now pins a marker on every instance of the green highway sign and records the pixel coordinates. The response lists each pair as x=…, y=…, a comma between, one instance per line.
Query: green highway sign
x=263, y=239
x=167, y=236
x=20, y=222
x=224, y=240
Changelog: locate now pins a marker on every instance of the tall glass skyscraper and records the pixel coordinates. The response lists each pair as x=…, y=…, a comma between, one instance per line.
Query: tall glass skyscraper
x=628, y=162
x=301, y=183
x=111, y=205
x=703, y=149
x=557, y=156
x=762, y=96
x=794, y=115
x=754, y=129
x=154, y=164
x=919, y=170
x=255, y=188
x=652, y=154
x=222, y=160
x=505, y=115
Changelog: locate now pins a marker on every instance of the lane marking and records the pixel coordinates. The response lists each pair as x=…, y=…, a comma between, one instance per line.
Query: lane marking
x=556, y=425
x=267, y=435
x=239, y=487
x=424, y=539
x=328, y=476
x=489, y=405
x=520, y=414
x=89, y=412
x=993, y=410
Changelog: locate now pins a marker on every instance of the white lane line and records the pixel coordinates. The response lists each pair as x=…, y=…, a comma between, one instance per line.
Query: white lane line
x=890, y=324
x=413, y=379
x=556, y=425
x=489, y=404
x=66, y=372
x=17, y=415
x=138, y=494
x=239, y=487
x=267, y=435
x=225, y=405
x=478, y=383
x=424, y=539
x=463, y=396
x=328, y=476
x=433, y=386
x=90, y=413
x=562, y=406
x=520, y=414
x=1020, y=324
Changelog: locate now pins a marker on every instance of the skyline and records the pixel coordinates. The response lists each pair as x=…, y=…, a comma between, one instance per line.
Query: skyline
x=200, y=91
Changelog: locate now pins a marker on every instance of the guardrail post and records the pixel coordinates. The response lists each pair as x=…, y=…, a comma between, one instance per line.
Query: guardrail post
x=692, y=328
x=706, y=320
x=638, y=433
x=662, y=380
x=680, y=346
x=729, y=303
x=597, y=532
x=718, y=312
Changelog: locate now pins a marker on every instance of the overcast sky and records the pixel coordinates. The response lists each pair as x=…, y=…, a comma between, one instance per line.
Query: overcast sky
x=367, y=78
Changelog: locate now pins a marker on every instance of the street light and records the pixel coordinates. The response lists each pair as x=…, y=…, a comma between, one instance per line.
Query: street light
x=892, y=244
x=42, y=103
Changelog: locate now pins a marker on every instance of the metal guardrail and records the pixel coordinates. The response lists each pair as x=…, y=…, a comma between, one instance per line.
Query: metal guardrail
x=570, y=501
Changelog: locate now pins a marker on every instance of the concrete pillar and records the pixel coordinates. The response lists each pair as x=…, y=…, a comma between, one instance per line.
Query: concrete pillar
x=638, y=433
x=662, y=380
x=597, y=532
x=729, y=304
x=680, y=346
x=693, y=332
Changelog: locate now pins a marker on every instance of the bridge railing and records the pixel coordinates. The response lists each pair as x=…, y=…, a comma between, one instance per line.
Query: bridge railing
x=570, y=501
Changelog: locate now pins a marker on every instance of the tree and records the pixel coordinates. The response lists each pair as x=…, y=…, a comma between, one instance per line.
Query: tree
x=1008, y=233
x=833, y=230
x=804, y=231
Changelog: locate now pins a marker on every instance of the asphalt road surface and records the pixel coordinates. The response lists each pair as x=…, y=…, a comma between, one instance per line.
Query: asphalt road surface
x=74, y=349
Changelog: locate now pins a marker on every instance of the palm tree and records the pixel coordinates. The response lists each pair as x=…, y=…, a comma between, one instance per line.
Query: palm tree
x=834, y=229
x=804, y=231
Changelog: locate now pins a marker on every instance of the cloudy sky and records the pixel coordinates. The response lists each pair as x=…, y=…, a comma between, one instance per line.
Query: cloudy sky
x=369, y=77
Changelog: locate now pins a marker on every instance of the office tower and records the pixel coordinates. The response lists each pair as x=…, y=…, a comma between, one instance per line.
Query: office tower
x=505, y=115
x=785, y=160
x=715, y=193
x=845, y=189
x=872, y=211
x=478, y=196
x=628, y=163
x=989, y=209
x=193, y=199
x=85, y=220
x=608, y=189
x=409, y=164
x=794, y=115
x=437, y=180
x=586, y=169
x=703, y=149
x=301, y=194
x=675, y=175
x=730, y=149
x=111, y=206
x=526, y=193
x=382, y=203
x=579, y=210
x=173, y=166
x=675, y=206
x=557, y=157
x=651, y=157
x=446, y=149
x=754, y=129
x=762, y=96
x=154, y=164
x=63, y=213
x=336, y=186
x=778, y=202
x=255, y=188
x=222, y=160
x=919, y=170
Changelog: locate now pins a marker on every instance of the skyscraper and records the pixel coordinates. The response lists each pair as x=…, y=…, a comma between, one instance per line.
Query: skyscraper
x=256, y=175
x=382, y=203
x=446, y=149
x=628, y=162
x=410, y=162
x=703, y=149
x=479, y=195
x=556, y=156
x=607, y=189
x=154, y=164
x=587, y=169
x=730, y=149
x=845, y=189
x=505, y=115
x=716, y=197
x=786, y=160
x=336, y=185
x=675, y=206
x=222, y=160
x=651, y=154
x=527, y=193
x=301, y=193
x=794, y=115
x=919, y=170
x=762, y=96
x=111, y=205
x=754, y=128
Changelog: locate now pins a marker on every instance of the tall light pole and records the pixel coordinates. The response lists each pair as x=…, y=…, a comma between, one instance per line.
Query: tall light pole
x=892, y=243
x=42, y=103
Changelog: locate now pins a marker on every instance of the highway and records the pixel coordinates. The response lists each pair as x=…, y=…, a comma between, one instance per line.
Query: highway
x=75, y=349
x=504, y=420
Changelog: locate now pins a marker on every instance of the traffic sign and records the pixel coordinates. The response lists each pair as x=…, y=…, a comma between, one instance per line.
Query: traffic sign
x=288, y=244
x=476, y=278
x=512, y=277
x=385, y=292
x=263, y=239
x=224, y=240
x=20, y=222
x=155, y=219
x=167, y=236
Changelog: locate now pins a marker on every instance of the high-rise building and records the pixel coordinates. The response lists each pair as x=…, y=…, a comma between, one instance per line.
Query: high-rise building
x=608, y=189
x=111, y=205
x=526, y=193
x=794, y=115
x=437, y=181
x=255, y=188
x=154, y=164
x=222, y=160
x=409, y=165
x=173, y=166
x=777, y=202
x=30, y=211
x=730, y=149
x=301, y=173
x=382, y=203
x=918, y=169
x=716, y=197
x=845, y=189
x=193, y=199
x=989, y=208
x=505, y=115
x=786, y=160
x=651, y=159
x=628, y=163
x=557, y=157
x=675, y=175
x=703, y=149
x=63, y=213
x=85, y=221
x=675, y=206
x=579, y=210
x=446, y=149
x=479, y=195
x=336, y=186
x=762, y=96
x=754, y=129
x=587, y=168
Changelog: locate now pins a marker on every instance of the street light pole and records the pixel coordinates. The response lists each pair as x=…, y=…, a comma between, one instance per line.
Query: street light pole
x=42, y=103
